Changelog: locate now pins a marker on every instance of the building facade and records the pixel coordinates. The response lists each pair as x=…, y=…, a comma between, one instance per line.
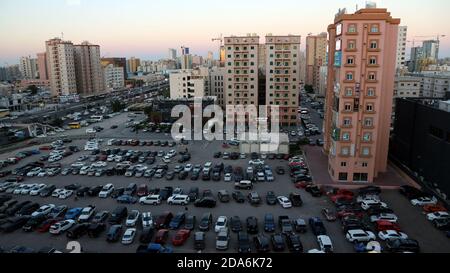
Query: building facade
x=113, y=77
x=190, y=83
x=88, y=69
x=241, y=65
x=61, y=67
x=116, y=62
x=401, y=47
x=431, y=50
x=407, y=87
x=316, y=53
x=172, y=54
x=283, y=76
x=42, y=66
x=133, y=64
x=28, y=67
x=358, y=105
x=217, y=84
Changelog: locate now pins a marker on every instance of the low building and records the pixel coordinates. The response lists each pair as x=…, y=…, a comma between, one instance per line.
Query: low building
x=114, y=77
x=407, y=87
x=189, y=83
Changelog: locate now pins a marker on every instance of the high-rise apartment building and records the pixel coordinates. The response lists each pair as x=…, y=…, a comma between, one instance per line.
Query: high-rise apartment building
x=217, y=84
x=113, y=77
x=316, y=53
x=430, y=50
x=283, y=76
x=61, y=67
x=116, y=62
x=28, y=67
x=190, y=83
x=361, y=69
x=88, y=69
x=172, y=54
x=42, y=66
x=133, y=64
x=241, y=64
x=401, y=47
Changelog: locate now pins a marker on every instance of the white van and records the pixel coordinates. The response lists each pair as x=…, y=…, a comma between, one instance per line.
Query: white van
x=178, y=200
x=325, y=243
x=150, y=200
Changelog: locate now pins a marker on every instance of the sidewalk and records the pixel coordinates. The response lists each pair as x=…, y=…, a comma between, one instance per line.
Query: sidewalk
x=317, y=161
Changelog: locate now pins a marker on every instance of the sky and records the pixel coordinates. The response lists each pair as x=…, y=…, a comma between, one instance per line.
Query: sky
x=147, y=28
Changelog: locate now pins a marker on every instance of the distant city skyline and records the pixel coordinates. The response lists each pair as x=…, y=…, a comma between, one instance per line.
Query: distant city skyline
x=146, y=29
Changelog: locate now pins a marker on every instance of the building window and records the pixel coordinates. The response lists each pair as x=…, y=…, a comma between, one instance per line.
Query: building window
x=367, y=137
x=349, y=76
x=360, y=177
x=364, y=164
x=373, y=60
x=343, y=177
x=349, y=92
x=365, y=151
x=351, y=28
x=348, y=107
x=343, y=164
x=374, y=44
x=346, y=136
x=351, y=44
x=351, y=60
x=368, y=122
x=372, y=76
x=374, y=28
x=345, y=151
x=347, y=122
x=371, y=92
x=369, y=107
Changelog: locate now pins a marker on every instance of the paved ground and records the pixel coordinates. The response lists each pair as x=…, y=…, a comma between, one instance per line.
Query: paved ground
x=411, y=219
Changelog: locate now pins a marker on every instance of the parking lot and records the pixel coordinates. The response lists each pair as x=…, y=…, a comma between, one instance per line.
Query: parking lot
x=411, y=219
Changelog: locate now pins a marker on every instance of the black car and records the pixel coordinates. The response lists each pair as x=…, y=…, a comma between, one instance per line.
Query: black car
x=280, y=170
x=130, y=189
x=34, y=222
x=238, y=196
x=217, y=154
x=177, y=220
x=47, y=191
x=269, y=223
x=146, y=235
x=235, y=224
x=183, y=175
x=170, y=175
x=252, y=225
x=271, y=198
x=369, y=190
x=262, y=243
x=82, y=192
x=244, y=242
x=28, y=209
x=165, y=193
x=195, y=176
x=189, y=222
x=95, y=229
x=77, y=231
x=193, y=194
x=72, y=187
x=110, y=171
x=14, y=223
x=296, y=199
x=95, y=190
x=117, y=192
x=403, y=245
x=411, y=192
x=294, y=244
x=223, y=196
x=199, y=240
x=100, y=217
x=278, y=243
x=114, y=233
x=317, y=226
x=205, y=202
x=118, y=215
x=314, y=190
x=205, y=222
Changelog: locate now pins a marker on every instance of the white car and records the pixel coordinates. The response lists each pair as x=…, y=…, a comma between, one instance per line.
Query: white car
x=362, y=198
x=90, y=131
x=84, y=170
x=106, y=191
x=227, y=177
x=390, y=235
x=19, y=189
x=26, y=190
x=86, y=214
x=178, y=199
x=325, y=243
x=132, y=218
x=56, y=192
x=166, y=159
x=154, y=199
x=367, y=204
x=422, y=201
x=55, y=158
x=222, y=239
x=359, y=235
x=221, y=223
x=43, y=173
x=256, y=162
x=77, y=165
x=65, y=194
x=99, y=164
x=284, y=202
x=147, y=219
x=128, y=236
x=34, y=171
x=390, y=217
x=110, y=142
x=188, y=167
x=438, y=215
x=43, y=210
x=37, y=189
x=61, y=226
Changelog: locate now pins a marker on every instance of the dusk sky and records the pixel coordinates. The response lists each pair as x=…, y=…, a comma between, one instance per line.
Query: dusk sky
x=147, y=28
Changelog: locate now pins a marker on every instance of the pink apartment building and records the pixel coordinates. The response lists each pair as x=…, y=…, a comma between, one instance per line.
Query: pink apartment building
x=361, y=69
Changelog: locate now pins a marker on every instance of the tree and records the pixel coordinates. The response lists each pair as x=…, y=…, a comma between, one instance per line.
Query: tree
x=117, y=106
x=33, y=89
x=57, y=122
x=148, y=110
x=309, y=88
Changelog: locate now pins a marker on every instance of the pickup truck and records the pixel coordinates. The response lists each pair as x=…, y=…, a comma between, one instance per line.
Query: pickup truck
x=243, y=185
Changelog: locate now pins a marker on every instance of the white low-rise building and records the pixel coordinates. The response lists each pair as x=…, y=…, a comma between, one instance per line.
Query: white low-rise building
x=114, y=77
x=189, y=83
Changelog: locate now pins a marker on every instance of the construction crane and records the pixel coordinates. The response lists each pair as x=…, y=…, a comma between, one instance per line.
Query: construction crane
x=429, y=36
x=220, y=40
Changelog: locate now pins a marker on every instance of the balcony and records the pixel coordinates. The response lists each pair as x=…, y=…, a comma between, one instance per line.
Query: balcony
x=374, y=50
x=374, y=33
x=349, y=65
x=350, y=50
x=372, y=81
x=352, y=33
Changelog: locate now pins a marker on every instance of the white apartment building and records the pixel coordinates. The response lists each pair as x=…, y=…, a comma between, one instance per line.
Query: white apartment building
x=61, y=67
x=407, y=87
x=283, y=76
x=88, y=69
x=435, y=86
x=28, y=67
x=189, y=83
x=216, y=82
x=113, y=77
x=323, y=73
x=241, y=79
x=401, y=47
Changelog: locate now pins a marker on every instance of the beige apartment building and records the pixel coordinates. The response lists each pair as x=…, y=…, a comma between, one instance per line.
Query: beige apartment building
x=189, y=83
x=316, y=54
x=28, y=67
x=88, y=69
x=283, y=76
x=61, y=67
x=42, y=66
x=361, y=70
x=241, y=64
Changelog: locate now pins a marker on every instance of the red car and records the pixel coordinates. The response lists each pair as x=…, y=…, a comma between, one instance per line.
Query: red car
x=102, y=157
x=45, y=148
x=433, y=208
x=180, y=237
x=336, y=197
x=350, y=212
x=45, y=226
x=142, y=190
x=386, y=225
x=161, y=236
x=302, y=184
x=345, y=192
